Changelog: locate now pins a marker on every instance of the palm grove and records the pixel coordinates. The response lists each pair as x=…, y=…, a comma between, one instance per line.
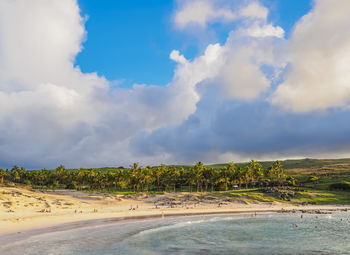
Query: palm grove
x=197, y=178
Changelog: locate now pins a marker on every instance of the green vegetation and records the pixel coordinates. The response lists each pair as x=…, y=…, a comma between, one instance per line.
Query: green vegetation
x=295, y=181
x=164, y=178
x=341, y=186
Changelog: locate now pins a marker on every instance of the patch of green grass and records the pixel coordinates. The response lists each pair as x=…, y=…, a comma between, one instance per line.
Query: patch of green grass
x=324, y=197
x=320, y=197
x=252, y=195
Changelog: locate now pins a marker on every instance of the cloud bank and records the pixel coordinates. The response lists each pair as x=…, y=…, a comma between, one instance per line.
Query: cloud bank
x=258, y=95
x=318, y=54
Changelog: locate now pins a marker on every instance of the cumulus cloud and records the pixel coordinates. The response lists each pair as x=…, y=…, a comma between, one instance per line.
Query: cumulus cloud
x=258, y=29
x=240, y=131
x=175, y=55
x=254, y=10
x=200, y=13
x=318, y=54
x=241, y=74
x=312, y=67
x=51, y=112
x=228, y=102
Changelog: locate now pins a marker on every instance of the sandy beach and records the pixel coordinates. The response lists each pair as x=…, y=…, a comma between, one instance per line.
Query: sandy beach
x=25, y=209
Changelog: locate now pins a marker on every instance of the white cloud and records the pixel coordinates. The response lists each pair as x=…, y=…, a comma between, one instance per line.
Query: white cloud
x=258, y=29
x=254, y=10
x=316, y=78
x=215, y=106
x=319, y=54
x=250, y=15
x=200, y=12
x=238, y=64
x=52, y=113
x=175, y=55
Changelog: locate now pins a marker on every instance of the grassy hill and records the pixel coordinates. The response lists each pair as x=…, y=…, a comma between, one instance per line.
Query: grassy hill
x=287, y=164
x=296, y=163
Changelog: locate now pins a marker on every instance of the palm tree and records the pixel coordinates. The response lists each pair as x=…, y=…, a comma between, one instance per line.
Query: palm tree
x=208, y=177
x=164, y=176
x=247, y=175
x=256, y=169
x=135, y=176
x=213, y=178
x=232, y=172
x=15, y=173
x=190, y=176
x=91, y=176
x=278, y=171
x=225, y=176
x=198, y=175
x=60, y=170
x=148, y=176
x=2, y=175
x=125, y=179
x=182, y=177
x=174, y=176
x=157, y=173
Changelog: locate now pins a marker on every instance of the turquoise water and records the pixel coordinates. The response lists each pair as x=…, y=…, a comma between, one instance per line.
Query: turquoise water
x=236, y=234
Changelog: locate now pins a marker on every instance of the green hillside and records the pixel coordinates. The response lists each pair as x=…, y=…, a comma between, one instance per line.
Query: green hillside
x=295, y=163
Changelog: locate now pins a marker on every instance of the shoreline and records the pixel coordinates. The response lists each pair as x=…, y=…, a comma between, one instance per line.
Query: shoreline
x=21, y=234
x=48, y=220
x=25, y=211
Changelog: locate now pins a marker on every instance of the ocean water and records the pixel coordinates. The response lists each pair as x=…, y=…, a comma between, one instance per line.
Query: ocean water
x=226, y=234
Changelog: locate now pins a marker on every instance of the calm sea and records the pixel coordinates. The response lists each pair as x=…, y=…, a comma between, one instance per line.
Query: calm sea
x=233, y=234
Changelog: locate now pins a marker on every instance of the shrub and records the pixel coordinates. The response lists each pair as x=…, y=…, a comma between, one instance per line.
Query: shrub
x=342, y=185
x=27, y=182
x=71, y=185
x=313, y=179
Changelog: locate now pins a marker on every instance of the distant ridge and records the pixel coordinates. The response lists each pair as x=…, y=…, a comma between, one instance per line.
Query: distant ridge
x=287, y=164
x=296, y=163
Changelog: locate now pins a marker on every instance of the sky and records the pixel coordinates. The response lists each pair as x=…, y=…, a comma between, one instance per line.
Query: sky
x=88, y=83
x=143, y=33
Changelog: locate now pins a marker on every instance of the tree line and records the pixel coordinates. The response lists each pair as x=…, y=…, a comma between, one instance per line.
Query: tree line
x=197, y=178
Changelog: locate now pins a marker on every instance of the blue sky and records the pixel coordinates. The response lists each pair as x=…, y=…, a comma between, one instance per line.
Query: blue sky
x=131, y=41
x=88, y=83
x=128, y=40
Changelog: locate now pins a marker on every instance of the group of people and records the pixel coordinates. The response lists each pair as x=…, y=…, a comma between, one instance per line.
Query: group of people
x=45, y=210
x=133, y=208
